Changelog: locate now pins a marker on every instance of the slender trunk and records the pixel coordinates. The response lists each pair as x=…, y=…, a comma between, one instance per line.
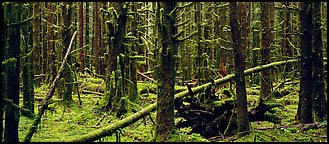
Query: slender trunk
x=241, y=98
x=82, y=63
x=266, y=83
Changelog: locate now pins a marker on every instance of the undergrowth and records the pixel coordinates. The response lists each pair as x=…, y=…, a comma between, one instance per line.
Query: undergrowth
x=70, y=122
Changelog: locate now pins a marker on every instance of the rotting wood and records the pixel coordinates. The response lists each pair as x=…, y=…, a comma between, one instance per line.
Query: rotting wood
x=108, y=130
x=37, y=119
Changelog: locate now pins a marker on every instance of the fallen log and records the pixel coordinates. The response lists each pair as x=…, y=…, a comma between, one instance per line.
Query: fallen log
x=44, y=106
x=97, y=134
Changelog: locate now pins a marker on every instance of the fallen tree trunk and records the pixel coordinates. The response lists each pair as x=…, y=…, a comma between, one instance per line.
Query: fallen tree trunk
x=138, y=115
x=44, y=106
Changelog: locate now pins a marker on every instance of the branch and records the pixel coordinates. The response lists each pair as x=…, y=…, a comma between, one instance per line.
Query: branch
x=187, y=37
x=21, y=22
x=37, y=120
x=22, y=110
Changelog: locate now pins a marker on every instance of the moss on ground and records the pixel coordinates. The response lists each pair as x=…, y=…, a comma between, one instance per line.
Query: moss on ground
x=63, y=124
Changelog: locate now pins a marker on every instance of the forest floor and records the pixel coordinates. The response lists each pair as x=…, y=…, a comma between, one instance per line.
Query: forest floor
x=61, y=124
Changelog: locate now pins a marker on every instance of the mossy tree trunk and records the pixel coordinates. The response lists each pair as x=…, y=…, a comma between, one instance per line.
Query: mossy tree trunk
x=12, y=16
x=241, y=98
x=198, y=42
x=319, y=100
x=67, y=32
x=304, y=112
x=116, y=35
x=266, y=83
x=28, y=76
x=133, y=62
x=166, y=83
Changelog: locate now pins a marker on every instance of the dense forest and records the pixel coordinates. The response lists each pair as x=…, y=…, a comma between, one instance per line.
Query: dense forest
x=164, y=71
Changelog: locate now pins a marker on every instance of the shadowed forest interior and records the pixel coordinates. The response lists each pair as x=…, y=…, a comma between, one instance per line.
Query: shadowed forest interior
x=164, y=71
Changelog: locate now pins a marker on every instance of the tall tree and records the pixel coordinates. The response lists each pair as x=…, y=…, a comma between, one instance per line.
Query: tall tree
x=319, y=100
x=241, y=98
x=28, y=76
x=116, y=38
x=304, y=112
x=96, y=36
x=12, y=17
x=51, y=68
x=286, y=49
x=67, y=32
x=266, y=83
x=165, y=100
x=3, y=73
x=37, y=40
x=82, y=63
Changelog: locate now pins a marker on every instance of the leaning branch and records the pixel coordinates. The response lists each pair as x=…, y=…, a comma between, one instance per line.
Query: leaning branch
x=96, y=135
x=37, y=119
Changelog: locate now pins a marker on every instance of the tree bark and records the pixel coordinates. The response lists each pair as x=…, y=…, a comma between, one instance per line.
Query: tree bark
x=12, y=15
x=266, y=83
x=319, y=100
x=96, y=37
x=304, y=112
x=82, y=64
x=37, y=40
x=241, y=98
x=67, y=72
x=28, y=76
x=165, y=105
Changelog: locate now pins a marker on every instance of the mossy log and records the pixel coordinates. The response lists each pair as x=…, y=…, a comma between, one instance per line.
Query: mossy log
x=95, y=135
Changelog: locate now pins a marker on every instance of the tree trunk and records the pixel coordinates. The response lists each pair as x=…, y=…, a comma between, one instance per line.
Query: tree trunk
x=165, y=105
x=241, y=98
x=51, y=68
x=12, y=15
x=67, y=72
x=115, y=48
x=319, y=100
x=266, y=83
x=304, y=112
x=37, y=41
x=82, y=63
x=28, y=76
x=96, y=37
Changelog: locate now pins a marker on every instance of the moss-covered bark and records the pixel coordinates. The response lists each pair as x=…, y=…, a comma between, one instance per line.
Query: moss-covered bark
x=28, y=75
x=319, y=99
x=266, y=41
x=67, y=72
x=166, y=83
